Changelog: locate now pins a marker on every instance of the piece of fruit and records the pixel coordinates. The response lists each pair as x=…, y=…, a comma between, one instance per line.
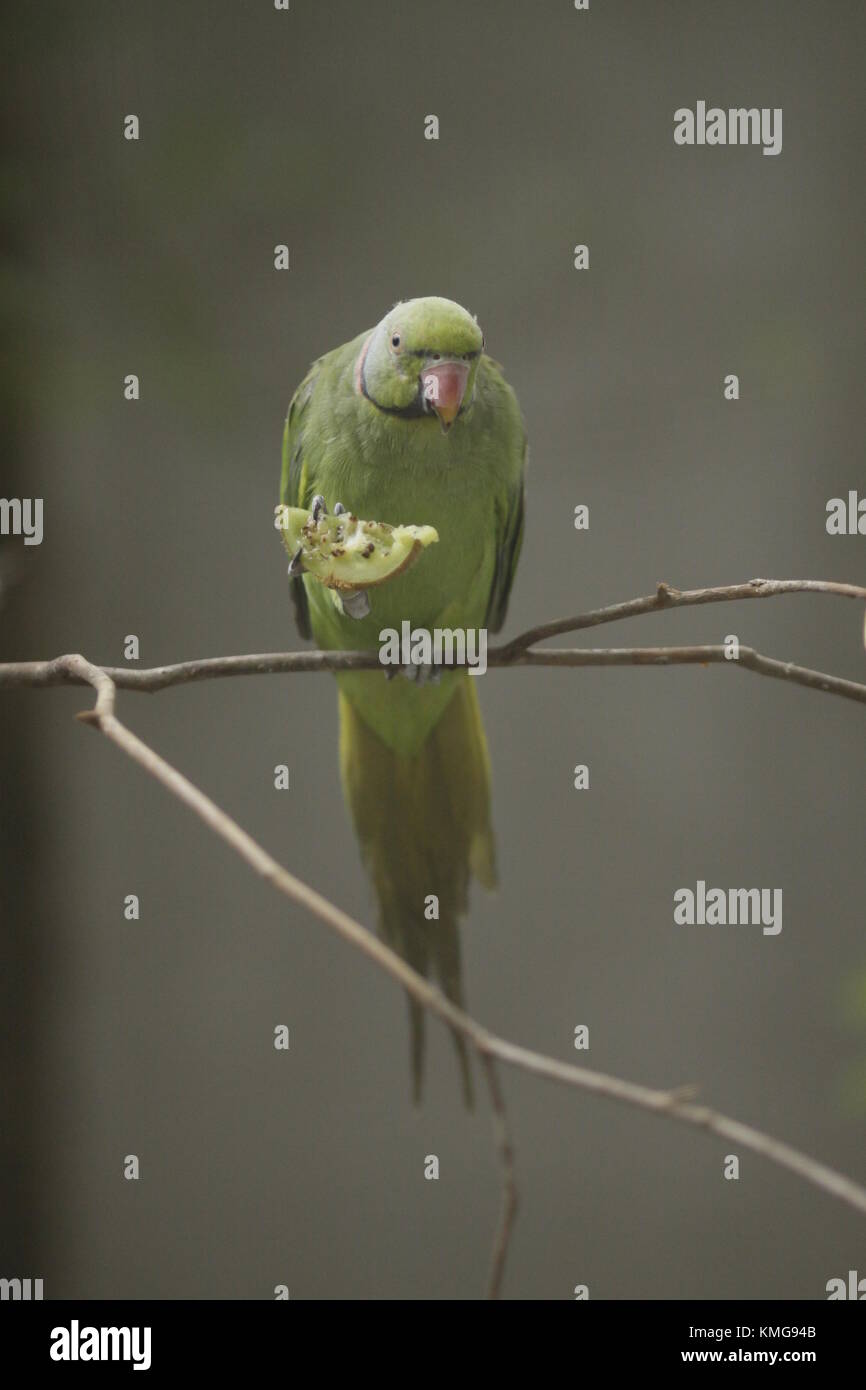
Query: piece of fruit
x=346, y=553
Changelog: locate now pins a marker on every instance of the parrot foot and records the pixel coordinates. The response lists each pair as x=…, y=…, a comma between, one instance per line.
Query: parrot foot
x=319, y=507
x=355, y=603
x=418, y=675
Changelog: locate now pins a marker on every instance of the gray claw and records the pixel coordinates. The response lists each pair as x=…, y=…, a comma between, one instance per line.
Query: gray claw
x=295, y=565
x=356, y=604
x=428, y=675
x=418, y=675
x=318, y=508
x=339, y=509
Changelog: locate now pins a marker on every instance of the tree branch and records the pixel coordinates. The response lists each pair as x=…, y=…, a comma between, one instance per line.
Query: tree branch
x=521, y=651
x=676, y=1104
x=509, y=1182
x=667, y=597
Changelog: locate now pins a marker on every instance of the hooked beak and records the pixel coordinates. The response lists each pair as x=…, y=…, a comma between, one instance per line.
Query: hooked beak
x=442, y=387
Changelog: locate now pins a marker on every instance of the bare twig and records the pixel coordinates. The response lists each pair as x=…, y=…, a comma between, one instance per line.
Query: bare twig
x=667, y=597
x=155, y=678
x=677, y=1104
x=747, y=659
x=509, y=1183
x=522, y=651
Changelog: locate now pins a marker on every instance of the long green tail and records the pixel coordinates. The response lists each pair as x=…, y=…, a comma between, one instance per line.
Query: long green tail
x=423, y=824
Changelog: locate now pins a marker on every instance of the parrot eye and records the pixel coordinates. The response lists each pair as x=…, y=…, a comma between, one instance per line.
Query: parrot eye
x=395, y=340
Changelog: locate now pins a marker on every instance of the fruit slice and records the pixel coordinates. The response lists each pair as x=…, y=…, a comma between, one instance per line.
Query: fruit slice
x=346, y=553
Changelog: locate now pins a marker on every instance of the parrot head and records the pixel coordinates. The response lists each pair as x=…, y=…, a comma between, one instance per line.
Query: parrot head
x=420, y=362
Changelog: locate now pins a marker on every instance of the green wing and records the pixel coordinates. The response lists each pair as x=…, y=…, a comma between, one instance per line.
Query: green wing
x=510, y=532
x=294, y=485
x=510, y=507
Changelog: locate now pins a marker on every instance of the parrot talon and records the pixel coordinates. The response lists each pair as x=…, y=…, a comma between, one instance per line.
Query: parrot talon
x=339, y=509
x=295, y=565
x=429, y=675
x=356, y=604
x=419, y=675
x=318, y=508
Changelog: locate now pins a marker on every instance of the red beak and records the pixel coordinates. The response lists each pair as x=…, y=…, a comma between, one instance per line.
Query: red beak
x=443, y=386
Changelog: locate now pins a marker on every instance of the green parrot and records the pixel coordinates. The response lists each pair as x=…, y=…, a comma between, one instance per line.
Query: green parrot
x=411, y=422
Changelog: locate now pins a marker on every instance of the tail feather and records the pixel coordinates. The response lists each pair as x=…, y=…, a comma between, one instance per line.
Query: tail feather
x=423, y=824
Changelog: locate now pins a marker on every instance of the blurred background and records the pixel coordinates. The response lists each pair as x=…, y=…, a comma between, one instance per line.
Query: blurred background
x=305, y=1168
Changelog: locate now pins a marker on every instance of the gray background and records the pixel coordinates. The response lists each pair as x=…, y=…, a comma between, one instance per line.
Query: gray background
x=157, y=258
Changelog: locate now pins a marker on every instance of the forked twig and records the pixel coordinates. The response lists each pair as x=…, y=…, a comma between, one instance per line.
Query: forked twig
x=678, y=1104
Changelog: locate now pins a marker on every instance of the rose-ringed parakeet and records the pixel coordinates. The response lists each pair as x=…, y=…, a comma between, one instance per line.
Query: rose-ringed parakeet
x=413, y=423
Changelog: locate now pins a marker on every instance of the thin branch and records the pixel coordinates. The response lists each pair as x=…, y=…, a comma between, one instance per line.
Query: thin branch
x=747, y=659
x=509, y=1183
x=676, y=1104
x=522, y=651
x=667, y=597
x=58, y=672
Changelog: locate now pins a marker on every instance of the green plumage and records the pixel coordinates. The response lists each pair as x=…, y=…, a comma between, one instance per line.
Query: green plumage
x=360, y=432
